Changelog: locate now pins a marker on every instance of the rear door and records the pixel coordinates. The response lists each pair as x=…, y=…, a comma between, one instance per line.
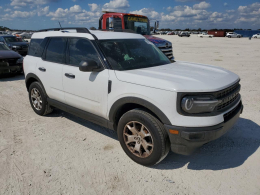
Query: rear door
x=86, y=91
x=49, y=67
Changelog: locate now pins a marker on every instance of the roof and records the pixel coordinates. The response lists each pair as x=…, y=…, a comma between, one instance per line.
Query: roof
x=101, y=35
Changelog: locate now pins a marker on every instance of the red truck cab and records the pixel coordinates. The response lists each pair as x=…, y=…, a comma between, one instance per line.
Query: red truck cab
x=136, y=24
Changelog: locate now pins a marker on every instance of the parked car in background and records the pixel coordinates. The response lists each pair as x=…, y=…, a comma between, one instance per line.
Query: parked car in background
x=24, y=35
x=206, y=35
x=15, y=43
x=163, y=33
x=171, y=33
x=184, y=34
x=233, y=35
x=256, y=36
x=10, y=61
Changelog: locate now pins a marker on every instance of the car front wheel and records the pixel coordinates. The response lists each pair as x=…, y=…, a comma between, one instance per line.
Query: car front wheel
x=143, y=137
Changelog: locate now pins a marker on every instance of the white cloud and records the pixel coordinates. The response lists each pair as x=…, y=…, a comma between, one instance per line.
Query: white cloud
x=7, y=10
x=225, y=4
x=147, y=12
x=20, y=14
x=1, y=7
x=116, y=5
x=22, y=3
x=93, y=6
x=43, y=11
x=201, y=6
x=75, y=9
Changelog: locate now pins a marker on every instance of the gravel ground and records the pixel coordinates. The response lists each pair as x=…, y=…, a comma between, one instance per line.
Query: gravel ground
x=62, y=154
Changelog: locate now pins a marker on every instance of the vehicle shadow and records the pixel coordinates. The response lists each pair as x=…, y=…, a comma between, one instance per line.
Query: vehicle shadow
x=229, y=151
x=102, y=130
x=11, y=77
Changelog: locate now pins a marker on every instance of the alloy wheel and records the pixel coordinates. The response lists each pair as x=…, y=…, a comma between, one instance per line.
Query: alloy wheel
x=36, y=99
x=138, y=139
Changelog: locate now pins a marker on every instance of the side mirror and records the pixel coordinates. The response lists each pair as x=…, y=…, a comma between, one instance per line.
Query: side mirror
x=89, y=66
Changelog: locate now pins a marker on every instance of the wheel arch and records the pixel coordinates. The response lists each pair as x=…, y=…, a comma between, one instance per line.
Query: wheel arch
x=30, y=78
x=126, y=104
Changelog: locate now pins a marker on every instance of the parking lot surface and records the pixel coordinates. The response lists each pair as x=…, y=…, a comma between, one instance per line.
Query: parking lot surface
x=63, y=154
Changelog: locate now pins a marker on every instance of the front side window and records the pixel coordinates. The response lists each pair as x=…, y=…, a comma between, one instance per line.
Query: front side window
x=129, y=54
x=81, y=50
x=56, y=50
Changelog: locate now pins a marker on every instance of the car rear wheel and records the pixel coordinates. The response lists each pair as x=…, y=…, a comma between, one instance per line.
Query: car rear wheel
x=143, y=137
x=229, y=36
x=38, y=99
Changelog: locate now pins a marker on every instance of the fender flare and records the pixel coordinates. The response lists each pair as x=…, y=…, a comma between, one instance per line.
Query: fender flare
x=126, y=100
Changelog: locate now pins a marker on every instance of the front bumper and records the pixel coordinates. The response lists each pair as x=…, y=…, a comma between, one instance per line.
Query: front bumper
x=188, y=139
x=6, y=69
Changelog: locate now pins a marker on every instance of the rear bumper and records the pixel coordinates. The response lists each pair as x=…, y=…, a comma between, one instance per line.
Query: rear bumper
x=188, y=139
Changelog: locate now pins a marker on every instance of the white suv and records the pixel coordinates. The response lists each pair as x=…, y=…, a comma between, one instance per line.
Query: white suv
x=233, y=35
x=123, y=82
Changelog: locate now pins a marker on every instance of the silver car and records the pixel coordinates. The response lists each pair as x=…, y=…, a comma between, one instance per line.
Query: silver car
x=233, y=35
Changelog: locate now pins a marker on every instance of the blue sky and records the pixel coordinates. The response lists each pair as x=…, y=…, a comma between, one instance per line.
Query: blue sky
x=206, y=14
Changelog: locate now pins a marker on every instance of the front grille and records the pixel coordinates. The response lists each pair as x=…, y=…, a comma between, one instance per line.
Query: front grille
x=167, y=51
x=228, y=96
x=11, y=61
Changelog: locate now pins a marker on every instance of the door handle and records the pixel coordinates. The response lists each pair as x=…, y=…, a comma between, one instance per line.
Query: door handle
x=42, y=69
x=71, y=76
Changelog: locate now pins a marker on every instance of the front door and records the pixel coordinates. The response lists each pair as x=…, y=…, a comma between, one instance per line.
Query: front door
x=49, y=68
x=86, y=91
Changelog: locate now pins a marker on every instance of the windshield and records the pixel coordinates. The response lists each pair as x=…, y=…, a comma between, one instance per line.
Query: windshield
x=138, y=24
x=3, y=47
x=13, y=39
x=129, y=54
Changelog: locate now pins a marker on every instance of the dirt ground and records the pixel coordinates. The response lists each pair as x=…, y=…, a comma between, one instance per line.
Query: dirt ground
x=62, y=154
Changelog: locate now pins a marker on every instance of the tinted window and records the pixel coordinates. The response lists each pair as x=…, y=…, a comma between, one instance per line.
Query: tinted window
x=34, y=45
x=12, y=39
x=81, y=50
x=56, y=50
x=3, y=47
x=128, y=54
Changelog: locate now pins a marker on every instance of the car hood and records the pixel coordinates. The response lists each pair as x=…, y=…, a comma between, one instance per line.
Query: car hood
x=181, y=77
x=5, y=54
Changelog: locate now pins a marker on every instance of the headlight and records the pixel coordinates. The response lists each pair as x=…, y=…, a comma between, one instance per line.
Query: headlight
x=193, y=104
x=19, y=61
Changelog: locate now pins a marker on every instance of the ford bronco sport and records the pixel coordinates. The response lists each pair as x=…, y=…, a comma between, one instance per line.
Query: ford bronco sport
x=123, y=82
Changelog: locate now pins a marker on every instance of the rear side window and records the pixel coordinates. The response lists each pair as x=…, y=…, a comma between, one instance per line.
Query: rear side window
x=81, y=50
x=56, y=50
x=34, y=46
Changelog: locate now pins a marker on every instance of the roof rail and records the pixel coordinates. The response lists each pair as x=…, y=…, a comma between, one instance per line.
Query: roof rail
x=78, y=29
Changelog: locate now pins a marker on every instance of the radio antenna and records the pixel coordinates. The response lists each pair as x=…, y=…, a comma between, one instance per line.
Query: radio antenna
x=60, y=25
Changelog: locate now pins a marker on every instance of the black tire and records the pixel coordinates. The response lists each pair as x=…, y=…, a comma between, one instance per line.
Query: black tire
x=160, y=139
x=45, y=107
x=229, y=36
